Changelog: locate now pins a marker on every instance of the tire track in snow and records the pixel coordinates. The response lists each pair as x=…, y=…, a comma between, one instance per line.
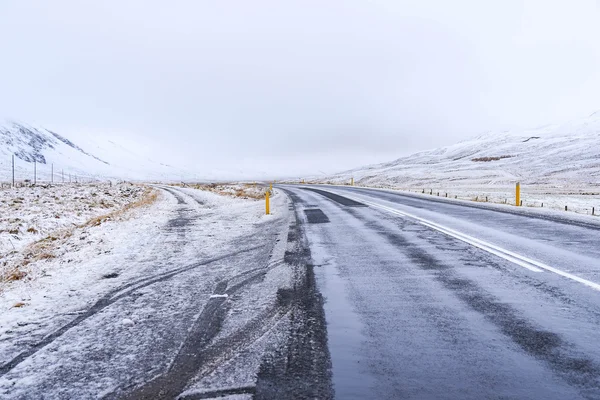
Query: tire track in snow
x=178, y=192
x=179, y=195
x=306, y=357
x=109, y=299
x=122, y=291
x=196, y=355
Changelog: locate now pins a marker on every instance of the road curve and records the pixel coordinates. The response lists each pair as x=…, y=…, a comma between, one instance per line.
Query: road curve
x=434, y=300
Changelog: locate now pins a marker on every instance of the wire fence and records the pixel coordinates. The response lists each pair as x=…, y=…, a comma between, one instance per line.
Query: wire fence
x=582, y=203
x=21, y=174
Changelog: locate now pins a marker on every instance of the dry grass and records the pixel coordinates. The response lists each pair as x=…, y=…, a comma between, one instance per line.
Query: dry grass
x=15, y=275
x=46, y=256
x=148, y=198
x=42, y=249
x=241, y=191
x=487, y=159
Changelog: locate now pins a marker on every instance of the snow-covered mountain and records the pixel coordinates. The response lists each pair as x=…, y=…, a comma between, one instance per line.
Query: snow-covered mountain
x=564, y=155
x=90, y=159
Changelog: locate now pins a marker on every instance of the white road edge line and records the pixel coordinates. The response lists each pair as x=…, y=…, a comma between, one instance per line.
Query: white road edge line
x=490, y=248
x=515, y=258
x=486, y=247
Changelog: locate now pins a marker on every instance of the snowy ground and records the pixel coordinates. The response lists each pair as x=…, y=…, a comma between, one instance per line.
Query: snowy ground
x=35, y=220
x=106, y=317
x=579, y=201
x=239, y=190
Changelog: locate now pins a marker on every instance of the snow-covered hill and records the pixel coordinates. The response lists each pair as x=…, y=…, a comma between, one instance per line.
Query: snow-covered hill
x=85, y=160
x=565, y=155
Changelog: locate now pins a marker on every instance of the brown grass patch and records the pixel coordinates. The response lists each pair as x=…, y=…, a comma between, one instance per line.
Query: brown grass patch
x=148, y=198
x=42, y=249
x=245, y=191
x=15, y=275
x=45, y=256
x=19, y=305
x=487, y=159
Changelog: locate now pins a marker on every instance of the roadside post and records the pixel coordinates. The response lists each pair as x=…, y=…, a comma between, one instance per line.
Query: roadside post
x=267, y=202
x=352, y=181
x=518, y=194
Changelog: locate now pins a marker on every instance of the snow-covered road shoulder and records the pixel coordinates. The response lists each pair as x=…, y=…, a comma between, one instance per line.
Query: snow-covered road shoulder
x=123, y=275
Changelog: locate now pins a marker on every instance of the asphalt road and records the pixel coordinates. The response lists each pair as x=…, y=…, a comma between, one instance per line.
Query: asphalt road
x=432, y=300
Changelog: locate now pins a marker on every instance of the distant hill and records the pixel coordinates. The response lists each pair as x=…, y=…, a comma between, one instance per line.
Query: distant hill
x=93, y=160
x=562, y=155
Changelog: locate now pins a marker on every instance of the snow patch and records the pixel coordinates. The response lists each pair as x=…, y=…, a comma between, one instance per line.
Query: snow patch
x=127, y=322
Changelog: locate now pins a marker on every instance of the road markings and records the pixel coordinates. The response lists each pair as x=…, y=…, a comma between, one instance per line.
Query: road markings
x=515, y=258
x=490, y=248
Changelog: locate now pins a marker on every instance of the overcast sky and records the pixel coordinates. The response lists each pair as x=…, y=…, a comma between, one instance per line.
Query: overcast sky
x=295, y=87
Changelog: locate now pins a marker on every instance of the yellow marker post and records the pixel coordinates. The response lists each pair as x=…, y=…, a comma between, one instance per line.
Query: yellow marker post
x=271, y=187
x=267, y=202
x=351, y=181
x=518, y=194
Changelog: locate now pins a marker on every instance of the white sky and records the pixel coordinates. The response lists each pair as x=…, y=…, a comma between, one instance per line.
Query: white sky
x=295, y=87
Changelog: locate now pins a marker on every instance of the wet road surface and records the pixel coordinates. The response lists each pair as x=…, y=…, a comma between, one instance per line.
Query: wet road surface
x=434, y=300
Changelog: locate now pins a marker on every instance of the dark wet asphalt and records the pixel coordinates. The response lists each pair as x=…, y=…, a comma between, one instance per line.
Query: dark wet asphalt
x=415, y=314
